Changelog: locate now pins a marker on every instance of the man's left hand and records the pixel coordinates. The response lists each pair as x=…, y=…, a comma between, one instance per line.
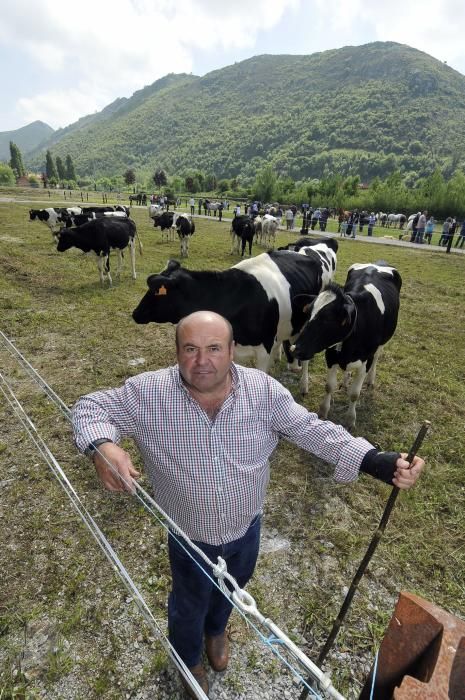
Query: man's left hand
x=405, y=476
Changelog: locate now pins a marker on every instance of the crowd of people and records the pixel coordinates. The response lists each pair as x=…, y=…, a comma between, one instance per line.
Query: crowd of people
x=420, y=228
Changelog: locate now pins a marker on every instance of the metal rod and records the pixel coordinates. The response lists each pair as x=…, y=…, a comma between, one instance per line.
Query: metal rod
x=369, y=553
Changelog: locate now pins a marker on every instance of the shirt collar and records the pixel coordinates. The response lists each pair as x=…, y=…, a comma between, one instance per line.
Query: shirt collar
x=235, y=378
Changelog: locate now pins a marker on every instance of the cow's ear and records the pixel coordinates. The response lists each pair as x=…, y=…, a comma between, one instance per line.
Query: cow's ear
x=159, y=284
x=349, y=308
x=302, y=302
x=172, y=266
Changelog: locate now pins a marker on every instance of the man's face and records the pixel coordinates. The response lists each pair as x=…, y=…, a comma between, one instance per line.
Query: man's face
x=205, y=354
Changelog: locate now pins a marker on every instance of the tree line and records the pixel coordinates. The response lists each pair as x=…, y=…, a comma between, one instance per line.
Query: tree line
x=56, y=172
x=438, y=193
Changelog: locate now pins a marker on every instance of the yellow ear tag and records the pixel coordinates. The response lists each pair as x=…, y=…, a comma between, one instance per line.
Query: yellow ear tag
x=161, y=292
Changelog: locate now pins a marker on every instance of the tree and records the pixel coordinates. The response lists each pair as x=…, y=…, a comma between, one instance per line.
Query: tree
x=129, y=177
x=190, y=184
x=70, y=171
x=7, y=175
x=210, y=182
x=60, y=169
x=16, y=162
x=265, y=184
x=50, y=168
x=223, y=186
x=160, y=178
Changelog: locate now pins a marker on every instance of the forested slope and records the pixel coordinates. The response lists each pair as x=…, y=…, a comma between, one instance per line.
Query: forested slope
x=368, y=110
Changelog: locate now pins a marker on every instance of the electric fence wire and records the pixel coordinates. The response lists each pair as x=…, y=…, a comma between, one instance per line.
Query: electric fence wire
x=240, y=599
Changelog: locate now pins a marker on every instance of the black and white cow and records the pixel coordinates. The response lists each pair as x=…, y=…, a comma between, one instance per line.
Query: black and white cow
x=324, y=251
x=89, y=214
x=155, y=210
x=242, y=232
x=185, y=228
x=352, y=324
x=270, y=225
x=301, y=243
x=100, y=236
x=165, y=222
x=53, y=217
x=262, y=297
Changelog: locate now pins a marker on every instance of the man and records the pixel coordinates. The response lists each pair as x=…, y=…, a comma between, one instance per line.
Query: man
x=206, y=429
x=421, y=225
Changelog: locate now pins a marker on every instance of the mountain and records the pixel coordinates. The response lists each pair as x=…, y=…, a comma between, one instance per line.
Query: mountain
x=27, y=138
x=368, y=109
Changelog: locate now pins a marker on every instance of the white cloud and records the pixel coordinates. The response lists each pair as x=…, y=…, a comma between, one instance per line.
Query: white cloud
x=108, y=49
x=56, y=106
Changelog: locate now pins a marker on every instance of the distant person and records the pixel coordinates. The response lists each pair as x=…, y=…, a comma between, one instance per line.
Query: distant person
x=414, y=227
x=461, y=238
x=316, y=216
x=200, y=206
x=371, y=223
x=421, y=225
x=429, y=230
x=445, y=231
x=192, y=205
x=289, y=216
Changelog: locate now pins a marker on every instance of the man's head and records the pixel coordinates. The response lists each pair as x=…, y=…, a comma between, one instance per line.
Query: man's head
x=205, y=349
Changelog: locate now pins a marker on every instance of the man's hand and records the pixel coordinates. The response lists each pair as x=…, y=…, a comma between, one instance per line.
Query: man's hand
x=121, y=461
x=405, y=477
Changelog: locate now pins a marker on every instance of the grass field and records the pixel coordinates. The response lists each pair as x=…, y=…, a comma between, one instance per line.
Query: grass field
x=81, y=337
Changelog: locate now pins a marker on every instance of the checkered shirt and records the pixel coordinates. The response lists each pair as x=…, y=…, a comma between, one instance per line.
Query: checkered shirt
x=211, y=476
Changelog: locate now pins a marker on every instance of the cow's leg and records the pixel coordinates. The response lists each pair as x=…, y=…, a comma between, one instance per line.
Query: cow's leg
x=371, y=375
x=104, y=269
x=100, y=264
x=250, y=247
x=263, y=358
x=132, y=250
x=331, y=384
x=303, y=384
x=183, y=247
x=243, y=242
x=354, y=394
x=346, y=379
x=119, y=266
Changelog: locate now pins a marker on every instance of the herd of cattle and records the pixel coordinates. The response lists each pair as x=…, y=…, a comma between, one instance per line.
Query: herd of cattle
x=283, y=298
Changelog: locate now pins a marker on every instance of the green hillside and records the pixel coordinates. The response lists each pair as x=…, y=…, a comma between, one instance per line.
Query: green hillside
x=368, y=110
x=27, y=138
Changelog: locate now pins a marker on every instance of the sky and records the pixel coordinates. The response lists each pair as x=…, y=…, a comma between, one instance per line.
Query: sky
x=61, y=61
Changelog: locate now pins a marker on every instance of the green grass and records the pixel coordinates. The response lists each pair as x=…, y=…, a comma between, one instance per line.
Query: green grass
x=81, y=337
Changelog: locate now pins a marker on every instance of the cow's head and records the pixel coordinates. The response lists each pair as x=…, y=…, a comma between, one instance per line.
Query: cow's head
x=162, y=303
x=65, y=239
x=330, y=319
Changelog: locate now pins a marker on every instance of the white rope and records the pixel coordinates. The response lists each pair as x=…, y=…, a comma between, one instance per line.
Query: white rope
x=240, y=599
x=98, y=535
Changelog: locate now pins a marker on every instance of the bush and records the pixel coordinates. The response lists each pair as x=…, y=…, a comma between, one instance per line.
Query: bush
x=7, y=176
x=33, y=181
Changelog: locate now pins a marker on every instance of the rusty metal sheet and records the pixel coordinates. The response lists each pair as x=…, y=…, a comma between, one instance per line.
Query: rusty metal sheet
x=422, y=655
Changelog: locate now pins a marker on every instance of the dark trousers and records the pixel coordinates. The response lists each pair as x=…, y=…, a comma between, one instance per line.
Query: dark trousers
x=195, y=605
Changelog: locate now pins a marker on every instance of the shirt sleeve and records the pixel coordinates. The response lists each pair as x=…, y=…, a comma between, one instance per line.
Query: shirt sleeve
x=324, y=439
x=108, y=414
